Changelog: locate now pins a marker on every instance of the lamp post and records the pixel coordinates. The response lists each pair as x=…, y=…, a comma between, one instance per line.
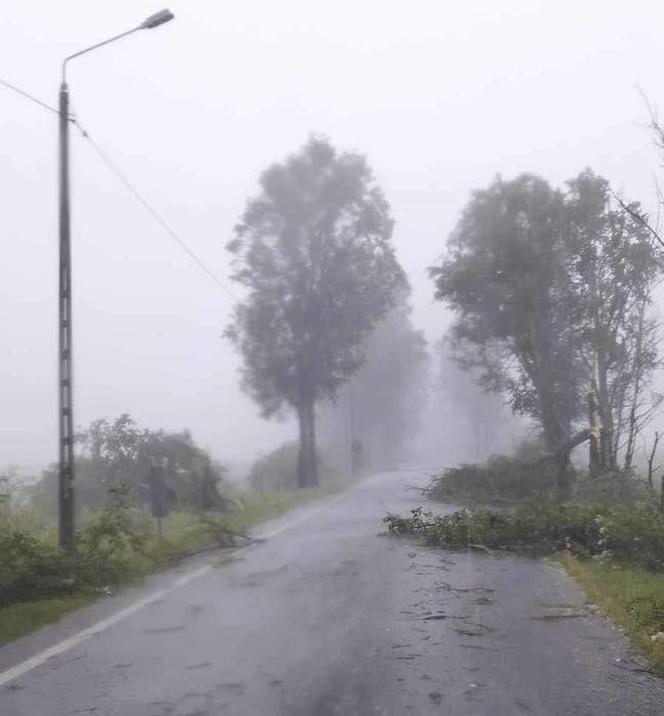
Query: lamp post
x=65, y=386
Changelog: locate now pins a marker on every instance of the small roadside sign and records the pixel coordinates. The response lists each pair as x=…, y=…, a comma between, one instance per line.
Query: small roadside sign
x=160, y=494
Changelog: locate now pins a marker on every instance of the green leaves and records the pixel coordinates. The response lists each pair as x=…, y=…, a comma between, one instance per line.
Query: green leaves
x=634, y=533
x=313, y=250
x=549, y=290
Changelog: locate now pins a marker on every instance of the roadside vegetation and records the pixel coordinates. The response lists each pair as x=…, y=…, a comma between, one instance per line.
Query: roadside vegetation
x=632, y=596
x=617, y=534
x=118, y=541
x=325, y=297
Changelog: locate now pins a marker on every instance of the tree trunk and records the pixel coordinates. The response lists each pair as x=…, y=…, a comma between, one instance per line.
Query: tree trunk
x=564, y=477
x=303, y=447
x=606, y=419
x=313, y=456
x=307, y=459
x=600, y=370
x=560, y=457
x=556, y=440
x=593, y=451
x=637, y=373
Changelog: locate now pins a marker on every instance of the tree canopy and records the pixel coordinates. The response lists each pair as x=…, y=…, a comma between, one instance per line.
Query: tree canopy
x=313, y=251
x=550, y=290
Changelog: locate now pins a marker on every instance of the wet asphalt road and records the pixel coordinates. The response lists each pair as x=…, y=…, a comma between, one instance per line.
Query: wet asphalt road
x=326, y=616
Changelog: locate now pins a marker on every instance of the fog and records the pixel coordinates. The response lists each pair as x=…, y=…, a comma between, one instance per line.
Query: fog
x=440, y=97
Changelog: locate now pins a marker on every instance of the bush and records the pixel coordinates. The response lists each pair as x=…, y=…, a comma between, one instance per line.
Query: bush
x=108, y=545
x=501, y=479
x=528, y=475
x=613, y=488
x=633, y=534
x=277, y=471
x=119, y=452
x=32, y=566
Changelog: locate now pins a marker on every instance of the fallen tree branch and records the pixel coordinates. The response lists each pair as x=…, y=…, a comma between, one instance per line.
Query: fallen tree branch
x=567, y=447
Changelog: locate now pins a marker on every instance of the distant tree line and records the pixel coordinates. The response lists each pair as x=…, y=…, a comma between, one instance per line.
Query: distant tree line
x=377, y=415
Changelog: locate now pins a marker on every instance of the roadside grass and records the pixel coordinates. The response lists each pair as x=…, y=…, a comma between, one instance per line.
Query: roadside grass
x=183, y=534
x=631, y=596
x=17, y=620
x=261, y=506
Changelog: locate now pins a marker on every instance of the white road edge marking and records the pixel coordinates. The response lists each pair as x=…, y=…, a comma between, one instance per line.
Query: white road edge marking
x=302, y=518
x=66, y=644
x=32, y=663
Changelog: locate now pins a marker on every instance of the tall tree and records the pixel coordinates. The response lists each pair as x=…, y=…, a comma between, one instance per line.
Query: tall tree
x=313, y=251
x=612, y=267
x=504, y=276
x=551, y=290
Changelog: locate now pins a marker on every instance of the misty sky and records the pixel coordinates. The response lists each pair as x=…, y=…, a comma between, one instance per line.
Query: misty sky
x=441, y=96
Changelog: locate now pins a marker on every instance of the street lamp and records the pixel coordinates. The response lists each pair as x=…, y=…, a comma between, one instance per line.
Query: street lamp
x=65, y=387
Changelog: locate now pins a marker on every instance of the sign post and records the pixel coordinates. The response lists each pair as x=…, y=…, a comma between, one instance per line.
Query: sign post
x=161, y=496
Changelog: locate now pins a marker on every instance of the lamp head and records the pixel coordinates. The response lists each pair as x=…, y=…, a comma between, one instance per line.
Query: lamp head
x=159, y=18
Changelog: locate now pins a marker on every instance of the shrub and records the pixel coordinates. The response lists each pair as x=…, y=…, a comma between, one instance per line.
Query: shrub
x=501, y=479
x=120, y=452
x=107, y=546
x=528, y=475
x=31, y=567
x=277, y=471
x=613, y=488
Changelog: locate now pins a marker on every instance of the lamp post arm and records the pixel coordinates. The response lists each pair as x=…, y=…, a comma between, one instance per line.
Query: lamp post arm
x=94, y=47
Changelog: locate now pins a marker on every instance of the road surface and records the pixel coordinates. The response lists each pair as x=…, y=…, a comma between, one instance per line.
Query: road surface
x=327, y=616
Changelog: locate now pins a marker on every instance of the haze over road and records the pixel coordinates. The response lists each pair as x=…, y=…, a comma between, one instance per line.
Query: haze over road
x=328, y=616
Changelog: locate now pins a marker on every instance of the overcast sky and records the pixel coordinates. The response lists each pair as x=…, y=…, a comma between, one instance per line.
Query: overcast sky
x=440, y=96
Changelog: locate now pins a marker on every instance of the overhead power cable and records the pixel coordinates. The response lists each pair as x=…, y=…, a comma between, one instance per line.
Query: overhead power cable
x=150, y=209
x=28, y=96
x=130, y=187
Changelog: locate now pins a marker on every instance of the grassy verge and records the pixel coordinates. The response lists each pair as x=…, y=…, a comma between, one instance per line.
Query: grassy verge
x=262, y=506
x=183, y=533
x=631, y=596
x=20, y=619
x=186, y=532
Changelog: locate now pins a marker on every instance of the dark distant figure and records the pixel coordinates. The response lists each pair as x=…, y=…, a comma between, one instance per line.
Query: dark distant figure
x=356, y=460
